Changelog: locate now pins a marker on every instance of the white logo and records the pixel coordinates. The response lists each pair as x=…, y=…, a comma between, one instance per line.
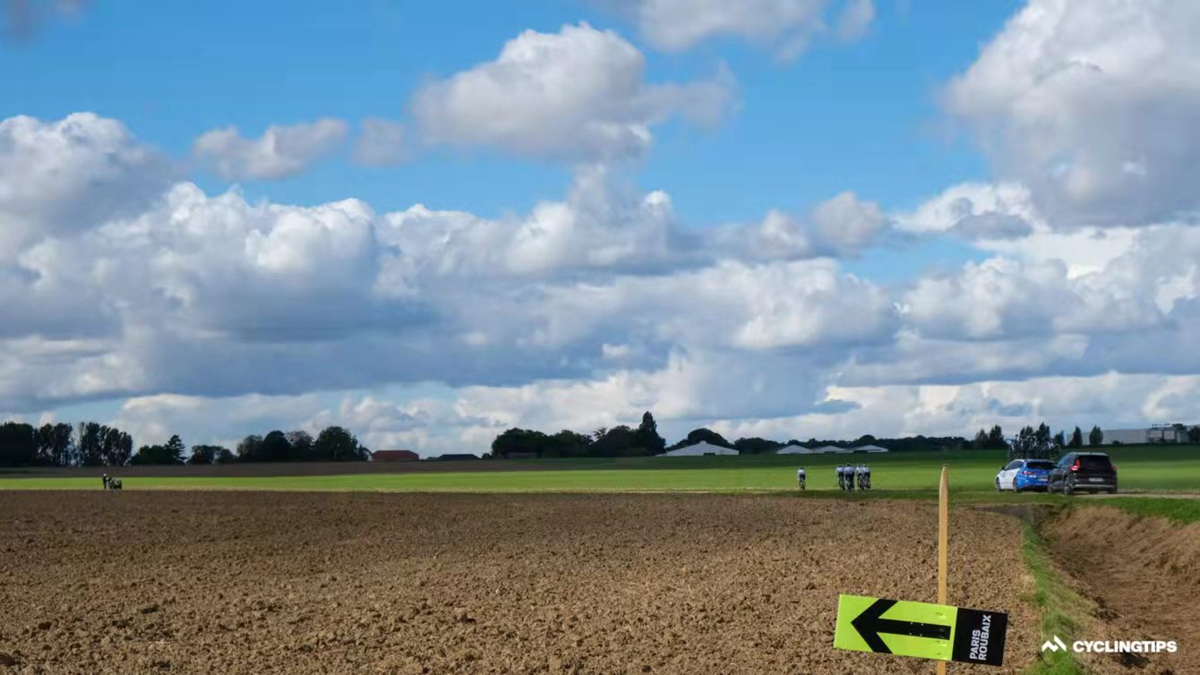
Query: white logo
x=1054, y=646
x=1112, y=647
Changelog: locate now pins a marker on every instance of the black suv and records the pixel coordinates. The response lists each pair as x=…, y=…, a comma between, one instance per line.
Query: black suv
x=1083, y=471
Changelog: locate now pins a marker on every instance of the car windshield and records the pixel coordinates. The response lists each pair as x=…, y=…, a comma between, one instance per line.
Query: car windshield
x=1094, y=462
x=1046, y=466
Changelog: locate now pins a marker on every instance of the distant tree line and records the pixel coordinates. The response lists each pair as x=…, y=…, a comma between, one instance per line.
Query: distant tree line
x=919, y=443
x=619, y=441
x=623, y=441
x=93, y=444
x=760, y=446
x=995, y=438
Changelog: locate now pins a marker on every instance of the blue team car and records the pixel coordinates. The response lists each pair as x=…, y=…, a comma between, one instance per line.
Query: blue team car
x=1024, y=474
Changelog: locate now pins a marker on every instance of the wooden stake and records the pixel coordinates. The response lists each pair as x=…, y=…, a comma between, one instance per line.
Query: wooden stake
x=943, y=543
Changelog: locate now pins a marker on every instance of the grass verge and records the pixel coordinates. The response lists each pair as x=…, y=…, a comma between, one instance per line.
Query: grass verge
x=1063, y=611
x=1183, y=511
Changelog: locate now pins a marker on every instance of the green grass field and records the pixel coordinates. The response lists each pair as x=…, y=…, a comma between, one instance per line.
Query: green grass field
x=972, y=475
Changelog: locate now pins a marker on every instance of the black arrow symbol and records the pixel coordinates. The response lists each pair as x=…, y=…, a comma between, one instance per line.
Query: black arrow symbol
x=871, y=623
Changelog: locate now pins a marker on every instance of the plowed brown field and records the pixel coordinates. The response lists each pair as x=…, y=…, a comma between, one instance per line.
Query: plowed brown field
x=197, y=582
x=1144, y=576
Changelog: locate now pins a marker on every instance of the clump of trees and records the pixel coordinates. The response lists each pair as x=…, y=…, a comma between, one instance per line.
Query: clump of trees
x=756, y=446
x=56, y=444
x=990, y=440
x=18, y=444
x=702, y=435
x=169, y=453
x=333, y=444
x=210, y=454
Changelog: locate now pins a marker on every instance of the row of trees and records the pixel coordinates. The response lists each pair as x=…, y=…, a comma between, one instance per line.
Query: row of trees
x=93, y=444
x=995, y=439
x=620, y=441
x=761, y=446
x=623, y=441
x=88, y=444
x=333, y=444
x=645, y=440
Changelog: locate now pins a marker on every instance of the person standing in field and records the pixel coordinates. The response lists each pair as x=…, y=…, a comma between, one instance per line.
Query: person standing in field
x=104, y=479
x=800, y=476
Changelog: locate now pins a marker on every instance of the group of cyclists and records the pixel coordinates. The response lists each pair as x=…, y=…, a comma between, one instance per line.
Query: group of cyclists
x=847, y=476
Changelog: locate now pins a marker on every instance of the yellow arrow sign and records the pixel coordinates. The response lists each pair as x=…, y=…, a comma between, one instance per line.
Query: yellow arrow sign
x=920, y=630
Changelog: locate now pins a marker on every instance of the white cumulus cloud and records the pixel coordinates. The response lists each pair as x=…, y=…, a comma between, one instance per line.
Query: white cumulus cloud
x=64, y=176
x=788, y=26
x=281, y=151
x=1091, y=104
x=577, y=95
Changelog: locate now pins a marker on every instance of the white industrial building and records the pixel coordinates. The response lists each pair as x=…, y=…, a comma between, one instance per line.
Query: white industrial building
x=1155, y=433
x=827, y=450
x=1124, y=436
x=700, y=449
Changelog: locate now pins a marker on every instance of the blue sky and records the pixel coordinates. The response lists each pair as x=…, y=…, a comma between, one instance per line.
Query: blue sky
x=861, y=116
x=913, y=213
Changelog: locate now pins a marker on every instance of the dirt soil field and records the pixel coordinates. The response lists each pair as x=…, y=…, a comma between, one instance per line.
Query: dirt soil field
x=195, y=582
x=1144, y=575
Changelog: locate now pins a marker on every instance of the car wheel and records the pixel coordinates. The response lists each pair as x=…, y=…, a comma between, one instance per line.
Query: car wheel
x=1068, y=487
x=998, y=488
x=1016, y=488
